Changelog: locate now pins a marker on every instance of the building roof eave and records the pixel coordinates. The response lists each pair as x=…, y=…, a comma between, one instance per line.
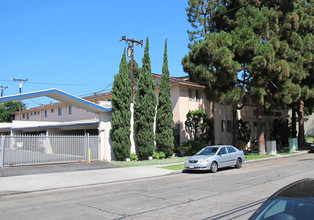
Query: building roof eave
x=60, y=96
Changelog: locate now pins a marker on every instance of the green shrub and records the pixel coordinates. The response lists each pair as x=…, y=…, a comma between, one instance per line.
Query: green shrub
x=191, y=147
x=133, y=157
x=156, y=155
x=162, y=155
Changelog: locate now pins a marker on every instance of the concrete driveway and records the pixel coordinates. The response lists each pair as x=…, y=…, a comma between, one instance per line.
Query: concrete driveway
x=53, y=168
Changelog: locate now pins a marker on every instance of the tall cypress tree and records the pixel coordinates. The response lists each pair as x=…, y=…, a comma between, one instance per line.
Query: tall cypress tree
x=164, y=119
x=121, y=114
x=145, y=108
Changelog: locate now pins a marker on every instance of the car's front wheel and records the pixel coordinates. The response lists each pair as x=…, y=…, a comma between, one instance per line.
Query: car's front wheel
x=213, y=167
x=238, y=163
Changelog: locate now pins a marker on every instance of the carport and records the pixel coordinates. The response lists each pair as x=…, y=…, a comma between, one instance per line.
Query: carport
x=104, y=123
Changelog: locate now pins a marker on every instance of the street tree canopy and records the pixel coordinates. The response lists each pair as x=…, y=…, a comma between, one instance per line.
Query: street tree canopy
x=241, y=48
x=7, y=108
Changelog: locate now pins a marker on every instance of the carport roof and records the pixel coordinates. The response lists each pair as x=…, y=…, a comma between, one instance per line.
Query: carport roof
x=60, y=96
x=59, y=125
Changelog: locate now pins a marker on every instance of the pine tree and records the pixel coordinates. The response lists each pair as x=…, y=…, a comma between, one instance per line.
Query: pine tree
x=211, y=58
x=164, y=119
x=298, y=32
x=145, y=108
x=244, y=53
x=121, y=114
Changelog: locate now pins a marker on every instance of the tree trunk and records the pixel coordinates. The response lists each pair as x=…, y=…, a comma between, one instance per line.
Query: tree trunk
x=301, y=138
x=235, y=129
x=293, y=124
x=211, y=114
x=260, y=129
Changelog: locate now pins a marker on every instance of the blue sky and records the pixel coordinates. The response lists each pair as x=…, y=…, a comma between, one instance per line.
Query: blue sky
x=74, y=45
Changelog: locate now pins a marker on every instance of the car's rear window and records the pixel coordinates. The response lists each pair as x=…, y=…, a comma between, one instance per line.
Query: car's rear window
x=231, y=150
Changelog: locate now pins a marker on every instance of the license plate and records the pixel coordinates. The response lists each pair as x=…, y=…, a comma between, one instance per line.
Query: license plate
x=191, y=167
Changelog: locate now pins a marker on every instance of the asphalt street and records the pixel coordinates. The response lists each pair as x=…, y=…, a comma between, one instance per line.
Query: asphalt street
x=227, y=194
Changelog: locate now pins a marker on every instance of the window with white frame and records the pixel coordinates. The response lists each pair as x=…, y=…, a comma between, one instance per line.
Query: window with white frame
x=191, y=95
x=223, y=126
x=60, y=111
x=70, y=110
x=198, y=95
x=229, y=126
x=195, y=95
x=46, y=113
x=226, y=126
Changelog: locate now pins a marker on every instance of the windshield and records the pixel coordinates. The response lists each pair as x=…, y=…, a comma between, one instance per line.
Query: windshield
x=208, y=151
x=285, y=208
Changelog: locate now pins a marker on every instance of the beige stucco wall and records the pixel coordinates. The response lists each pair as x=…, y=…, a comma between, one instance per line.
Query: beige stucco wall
x=182, y=105
x=222, y=112
x=309, y=126
x=105, y=149
x=39, y=114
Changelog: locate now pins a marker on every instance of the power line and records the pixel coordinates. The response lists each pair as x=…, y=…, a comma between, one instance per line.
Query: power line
x=67, y=84
x=2, y=89
x=62, y=84
x=106, y=89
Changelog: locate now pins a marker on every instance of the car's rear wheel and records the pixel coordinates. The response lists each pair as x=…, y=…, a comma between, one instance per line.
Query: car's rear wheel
x=238, y=163
x=213, y=167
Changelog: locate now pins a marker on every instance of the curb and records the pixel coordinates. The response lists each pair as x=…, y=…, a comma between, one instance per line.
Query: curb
x=277, y=157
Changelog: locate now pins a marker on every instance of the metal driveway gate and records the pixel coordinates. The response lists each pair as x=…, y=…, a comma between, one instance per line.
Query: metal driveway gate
x=30, y=149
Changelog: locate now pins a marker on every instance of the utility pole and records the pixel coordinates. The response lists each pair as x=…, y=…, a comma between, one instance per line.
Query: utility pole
x=130, y=53
x=2, y=89
x=20, y=84
x=20, y=90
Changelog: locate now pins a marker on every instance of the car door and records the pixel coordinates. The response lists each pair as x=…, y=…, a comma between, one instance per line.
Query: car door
x=232, y=156
x=222, y=157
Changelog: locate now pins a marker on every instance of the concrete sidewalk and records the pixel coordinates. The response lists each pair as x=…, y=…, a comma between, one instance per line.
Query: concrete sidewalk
x=50, y=181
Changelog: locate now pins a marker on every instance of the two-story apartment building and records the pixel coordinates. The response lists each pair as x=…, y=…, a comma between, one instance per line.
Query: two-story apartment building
x=62, y=118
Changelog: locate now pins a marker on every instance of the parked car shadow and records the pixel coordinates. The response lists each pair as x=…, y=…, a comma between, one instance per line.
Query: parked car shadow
x=207, y=171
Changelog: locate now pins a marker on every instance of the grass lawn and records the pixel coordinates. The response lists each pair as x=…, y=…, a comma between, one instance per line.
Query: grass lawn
x=149, y=162
x=287, y=153
x=310, y=139
x=174, y=167
x=256, y=157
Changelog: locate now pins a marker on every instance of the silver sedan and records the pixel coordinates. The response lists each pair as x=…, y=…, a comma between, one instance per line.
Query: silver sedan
x=213, y=157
